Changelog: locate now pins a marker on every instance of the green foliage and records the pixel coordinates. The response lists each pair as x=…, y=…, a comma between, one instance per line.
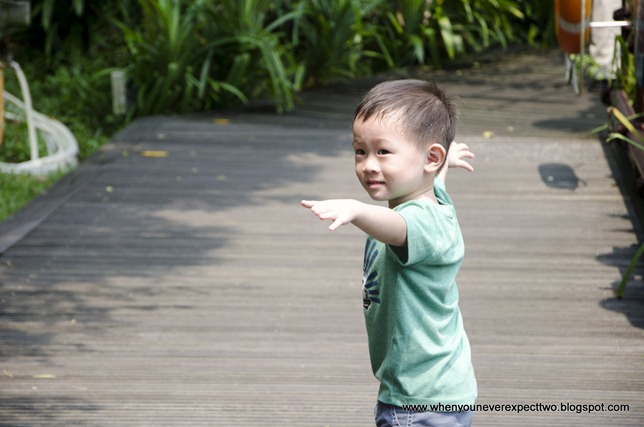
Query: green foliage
x=538, y=25
x=186, y=55
x=79, y=96
x=197, y=55
x=170, y=60
x=66, y=29
x=62, y=24
x=328, y=39
x=625, y=71
x=207, y=54
x=629, y=272
x=403, y=33
x=17, y=190
x=419, y=32
x=15, y=147
x=474, y=26
x=254, y=55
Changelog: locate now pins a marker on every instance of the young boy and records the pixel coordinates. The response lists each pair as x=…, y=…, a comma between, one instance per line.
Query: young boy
x=403, y=132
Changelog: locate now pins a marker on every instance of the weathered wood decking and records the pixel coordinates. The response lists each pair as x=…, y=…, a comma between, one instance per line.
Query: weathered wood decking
x=192, y=290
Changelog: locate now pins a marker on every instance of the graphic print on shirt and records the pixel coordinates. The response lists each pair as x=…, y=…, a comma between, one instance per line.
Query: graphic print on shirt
x=370, y=292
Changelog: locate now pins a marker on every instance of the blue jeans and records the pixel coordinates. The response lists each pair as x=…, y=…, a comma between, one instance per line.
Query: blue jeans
x=395, y=416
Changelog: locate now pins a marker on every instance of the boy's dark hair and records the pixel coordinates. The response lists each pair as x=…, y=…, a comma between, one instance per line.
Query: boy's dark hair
x=423, y=111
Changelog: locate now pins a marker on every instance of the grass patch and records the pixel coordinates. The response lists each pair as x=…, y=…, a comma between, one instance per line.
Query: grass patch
x=17, y=190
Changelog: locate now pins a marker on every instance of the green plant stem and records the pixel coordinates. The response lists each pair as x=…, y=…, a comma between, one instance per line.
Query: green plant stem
x=629, y=272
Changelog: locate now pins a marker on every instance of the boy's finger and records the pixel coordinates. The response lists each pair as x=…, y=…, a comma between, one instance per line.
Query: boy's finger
x=466, y=166
x=327, y=215
x=337, y=223
x=308, y=203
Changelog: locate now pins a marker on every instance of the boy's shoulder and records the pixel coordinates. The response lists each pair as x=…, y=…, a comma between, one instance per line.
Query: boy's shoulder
x=433, y=232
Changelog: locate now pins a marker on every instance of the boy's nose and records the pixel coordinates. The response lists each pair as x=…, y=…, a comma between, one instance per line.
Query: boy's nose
x=370, y=165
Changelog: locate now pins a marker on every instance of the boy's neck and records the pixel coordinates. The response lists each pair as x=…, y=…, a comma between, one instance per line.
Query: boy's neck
x=427, y=195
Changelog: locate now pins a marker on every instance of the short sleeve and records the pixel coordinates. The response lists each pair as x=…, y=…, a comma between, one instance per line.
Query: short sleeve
x=433, y=234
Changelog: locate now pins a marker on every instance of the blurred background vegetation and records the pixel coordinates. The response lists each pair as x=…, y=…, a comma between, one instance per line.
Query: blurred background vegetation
x=198, y=55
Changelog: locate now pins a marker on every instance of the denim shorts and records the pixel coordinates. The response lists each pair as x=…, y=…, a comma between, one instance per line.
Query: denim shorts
x=395, y=416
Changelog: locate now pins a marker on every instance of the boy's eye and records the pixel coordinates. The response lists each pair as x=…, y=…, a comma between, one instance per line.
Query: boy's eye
x=359, y=152
x=383, y=151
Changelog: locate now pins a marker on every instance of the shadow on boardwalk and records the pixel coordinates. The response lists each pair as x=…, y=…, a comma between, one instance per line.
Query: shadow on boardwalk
x=174, y=279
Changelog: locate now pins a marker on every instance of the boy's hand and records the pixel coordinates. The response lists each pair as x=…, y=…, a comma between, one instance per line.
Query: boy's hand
x=457, y=154
x=379, y=222
x=340, y=211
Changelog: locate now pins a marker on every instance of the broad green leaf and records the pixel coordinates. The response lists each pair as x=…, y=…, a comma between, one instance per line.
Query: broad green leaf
x=449, y=40
x=79, y=6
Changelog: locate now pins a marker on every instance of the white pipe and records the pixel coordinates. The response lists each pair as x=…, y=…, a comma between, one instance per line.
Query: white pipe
x=26, y=96
x=604, y=24
x=62, y=147
x=582, y=45
x=63, y=142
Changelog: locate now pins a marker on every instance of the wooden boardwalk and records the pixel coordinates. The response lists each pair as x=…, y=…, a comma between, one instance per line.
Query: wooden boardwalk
x=173, y=279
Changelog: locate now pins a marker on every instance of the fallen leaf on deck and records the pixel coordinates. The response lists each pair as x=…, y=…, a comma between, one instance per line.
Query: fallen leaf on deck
x=154, y=153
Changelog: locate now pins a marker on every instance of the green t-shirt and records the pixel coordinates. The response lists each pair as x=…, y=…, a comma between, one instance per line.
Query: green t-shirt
x=418, y=347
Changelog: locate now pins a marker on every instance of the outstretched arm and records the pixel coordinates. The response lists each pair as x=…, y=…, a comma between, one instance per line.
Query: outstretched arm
x=457, y=158
x=379, y=222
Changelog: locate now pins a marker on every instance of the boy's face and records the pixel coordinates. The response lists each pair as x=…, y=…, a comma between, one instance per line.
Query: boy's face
x=388, y=165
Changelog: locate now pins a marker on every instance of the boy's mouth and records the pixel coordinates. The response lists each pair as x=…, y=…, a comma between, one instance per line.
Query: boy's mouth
x=374, y=182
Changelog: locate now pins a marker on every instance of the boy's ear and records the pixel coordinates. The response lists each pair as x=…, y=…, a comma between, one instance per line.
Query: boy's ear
x=436, y=156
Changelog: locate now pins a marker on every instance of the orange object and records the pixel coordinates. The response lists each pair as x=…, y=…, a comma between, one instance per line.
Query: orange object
x=568, y=24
